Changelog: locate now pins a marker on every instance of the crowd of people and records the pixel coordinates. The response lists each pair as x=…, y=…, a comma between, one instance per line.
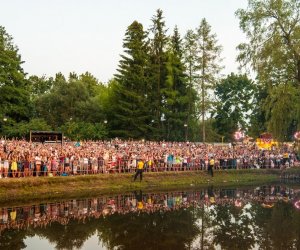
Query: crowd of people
x=41, y=215
x=20, y=158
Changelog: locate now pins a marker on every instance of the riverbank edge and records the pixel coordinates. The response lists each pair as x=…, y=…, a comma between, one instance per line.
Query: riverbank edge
x=33, y=189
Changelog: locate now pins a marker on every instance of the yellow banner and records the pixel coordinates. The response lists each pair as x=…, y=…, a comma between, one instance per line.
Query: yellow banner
x=266, y=143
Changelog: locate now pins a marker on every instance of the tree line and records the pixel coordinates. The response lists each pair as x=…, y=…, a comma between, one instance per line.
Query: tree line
x=168, y=87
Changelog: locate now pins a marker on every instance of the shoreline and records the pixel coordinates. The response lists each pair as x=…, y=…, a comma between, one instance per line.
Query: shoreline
x=31, y=189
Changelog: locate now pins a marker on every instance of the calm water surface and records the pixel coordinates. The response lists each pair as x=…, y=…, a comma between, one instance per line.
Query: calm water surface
x=266, y=217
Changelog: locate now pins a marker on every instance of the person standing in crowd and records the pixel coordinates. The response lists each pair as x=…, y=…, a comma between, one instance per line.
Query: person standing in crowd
x=54, y=165
x=26, y=166
x=1, y=166
x=5, y=166
x=139, y=170
x=75, y=164
x=20, y=161
x=67, y=164
x=14, y=166
x=211, y=166
x=38, y=163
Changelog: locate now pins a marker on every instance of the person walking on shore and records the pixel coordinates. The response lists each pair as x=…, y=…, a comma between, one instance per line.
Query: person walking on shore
x=139, y=171
x=211, y=166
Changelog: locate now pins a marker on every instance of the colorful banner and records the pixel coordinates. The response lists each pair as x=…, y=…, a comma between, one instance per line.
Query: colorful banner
x=266, y=141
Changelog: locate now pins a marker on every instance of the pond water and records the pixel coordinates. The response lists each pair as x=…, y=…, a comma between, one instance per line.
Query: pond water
x=265, y=217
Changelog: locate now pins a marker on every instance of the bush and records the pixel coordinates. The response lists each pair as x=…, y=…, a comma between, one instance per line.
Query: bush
x=84, y=130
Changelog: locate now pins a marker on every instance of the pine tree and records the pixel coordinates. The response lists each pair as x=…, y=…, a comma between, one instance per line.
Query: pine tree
x=190, y=62
x=130, y=117
x=176, y=91
x=208, y=66
x=158, y=55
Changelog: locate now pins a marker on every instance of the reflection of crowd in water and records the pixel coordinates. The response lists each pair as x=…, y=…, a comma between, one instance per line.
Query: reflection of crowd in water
x=19, y=158
x=44, y=214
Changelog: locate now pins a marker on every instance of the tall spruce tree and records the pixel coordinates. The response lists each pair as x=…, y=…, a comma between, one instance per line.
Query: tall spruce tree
x=208, y=66
x=14, y=95
x=158, y=55
x=131, y=117
x=176, y=91
x=189, y=57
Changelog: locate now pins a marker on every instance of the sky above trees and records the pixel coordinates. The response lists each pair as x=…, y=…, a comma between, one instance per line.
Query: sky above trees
x=66, y=36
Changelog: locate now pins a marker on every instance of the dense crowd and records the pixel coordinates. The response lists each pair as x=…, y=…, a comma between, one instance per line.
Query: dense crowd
x=20, y=158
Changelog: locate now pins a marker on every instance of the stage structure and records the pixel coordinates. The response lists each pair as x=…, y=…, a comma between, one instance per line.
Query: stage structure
x=46, y=136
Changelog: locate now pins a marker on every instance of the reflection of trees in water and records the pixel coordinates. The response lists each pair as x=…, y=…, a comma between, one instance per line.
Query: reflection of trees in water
x=160, y=230
x=260, y=217
x=13, y=239
x=277, y=228
x=207, y=224
x=203, y=217
x=232, y=228
x=69, y=236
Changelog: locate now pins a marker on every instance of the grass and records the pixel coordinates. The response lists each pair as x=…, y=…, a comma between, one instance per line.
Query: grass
x=52, y=188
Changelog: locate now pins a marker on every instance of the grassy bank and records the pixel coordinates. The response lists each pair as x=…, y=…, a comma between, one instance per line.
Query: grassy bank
x=45, y=188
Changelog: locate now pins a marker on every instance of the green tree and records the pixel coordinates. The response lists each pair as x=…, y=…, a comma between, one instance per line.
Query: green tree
x=39, y=85
x=257, y=123
x=282, y=110
x=130, y=117
x=50, y=105
x=208, y=66
x=14, y=95
x=92, y=109
x=272, y=28
x=235, y=98
x=189, y=57
x=176, y=106
x=81, y=130
x=77, y=99
x=158, y=72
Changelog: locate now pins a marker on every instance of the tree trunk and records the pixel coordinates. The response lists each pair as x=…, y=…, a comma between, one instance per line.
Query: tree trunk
x=203, y=112
x=298, y=72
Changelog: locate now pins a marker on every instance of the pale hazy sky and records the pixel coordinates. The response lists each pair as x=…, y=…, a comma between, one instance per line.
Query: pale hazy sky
x=87, y=35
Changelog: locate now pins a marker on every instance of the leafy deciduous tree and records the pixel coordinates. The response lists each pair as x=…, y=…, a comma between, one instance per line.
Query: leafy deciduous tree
x=273, y=51
x=235, y=95
x=14, y=95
